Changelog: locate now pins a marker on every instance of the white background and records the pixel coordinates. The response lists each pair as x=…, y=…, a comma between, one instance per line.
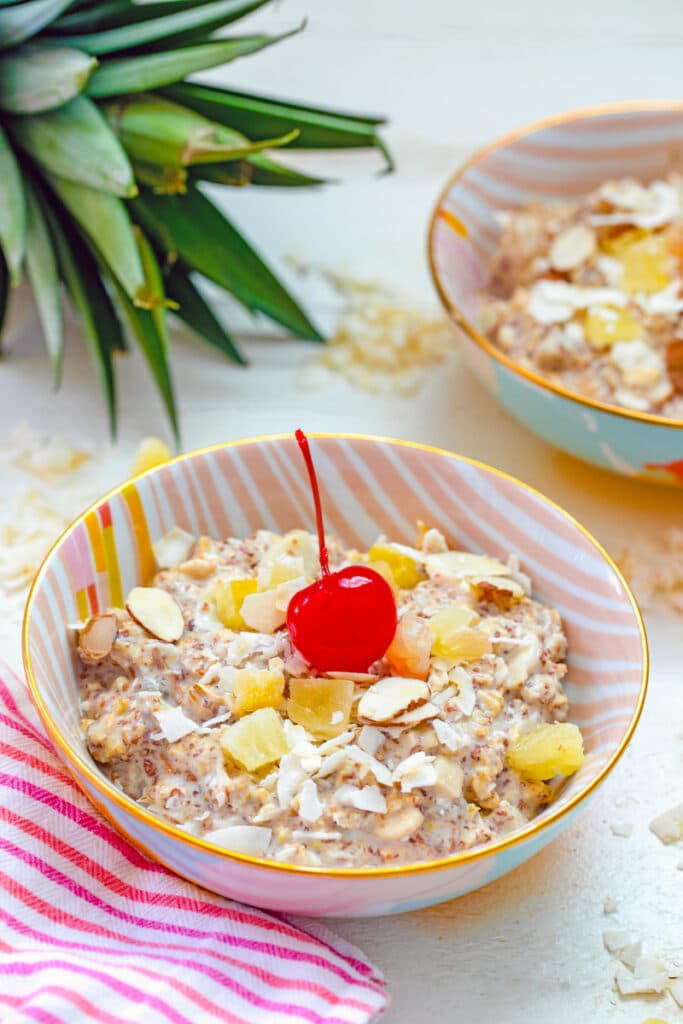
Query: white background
x=450, y=76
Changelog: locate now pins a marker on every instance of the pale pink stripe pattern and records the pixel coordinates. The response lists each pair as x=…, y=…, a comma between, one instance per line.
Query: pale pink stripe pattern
x=90, y=929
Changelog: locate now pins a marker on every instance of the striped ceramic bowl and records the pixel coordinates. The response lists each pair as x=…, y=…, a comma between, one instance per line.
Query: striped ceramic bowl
x=369, y=486
x=558, y=158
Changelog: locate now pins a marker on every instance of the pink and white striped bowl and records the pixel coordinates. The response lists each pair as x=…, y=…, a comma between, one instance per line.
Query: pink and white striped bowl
x=370, y=485
x=558, y=158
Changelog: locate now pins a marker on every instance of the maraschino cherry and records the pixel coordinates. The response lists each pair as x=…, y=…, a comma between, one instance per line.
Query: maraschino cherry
x=345, y=620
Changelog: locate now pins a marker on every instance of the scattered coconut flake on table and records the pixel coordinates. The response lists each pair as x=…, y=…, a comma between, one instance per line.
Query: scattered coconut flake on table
x=622, y=828
x=609, y=906
x=379, y=344
x=668, y=827
x=654, y=569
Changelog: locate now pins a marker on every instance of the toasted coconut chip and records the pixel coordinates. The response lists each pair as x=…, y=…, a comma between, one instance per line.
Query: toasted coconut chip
x=253, y=840
x=96, y=639
x=310, y=807
x=463, y=563
x=668, y=827
x=423, y=713
x=367, y=798
x=173, y=547
x=156, y=611
x=502, y=592
x=391, y=697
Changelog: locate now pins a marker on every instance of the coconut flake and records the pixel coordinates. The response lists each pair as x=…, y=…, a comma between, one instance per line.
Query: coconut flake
x=290, y=776
x=250, y=839
x=335, y=742
x=631, y=985
x=415, y=771
x=172, y=548
x=522, y=661
x=451, y=736
x=364, y=760
x=174, y=723
x=310, y=807
x=676, y=990
x=461, y=564
x=668, y=301
x=331, y=763
x=668, y=827
x=367, y=798
x=370, y=739
x=609, y=906
x=465, y=699
x=614, y=940
x=630, y=955
x=622, y=828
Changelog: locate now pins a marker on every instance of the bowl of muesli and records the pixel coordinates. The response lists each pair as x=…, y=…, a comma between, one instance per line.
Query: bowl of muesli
x=163, y=648
x=558, y=252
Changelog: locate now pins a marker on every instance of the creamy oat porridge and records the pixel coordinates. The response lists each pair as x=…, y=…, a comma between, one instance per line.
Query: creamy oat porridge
x=196, y=704
x=588, y=294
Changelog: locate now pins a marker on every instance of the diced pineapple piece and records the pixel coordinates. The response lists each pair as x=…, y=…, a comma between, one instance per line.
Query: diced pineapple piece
x=271, y=576
x=295, y=544
x=256, y=741
x=152, y=451
x=257, y=688
x=409, y=651
x=647, y=266
x=453, y=637
x=384, y=569
x=229, y=596
x=615, y=243
x=405, y=569
x=546, y=751
x=322, y=706
x=604, y=325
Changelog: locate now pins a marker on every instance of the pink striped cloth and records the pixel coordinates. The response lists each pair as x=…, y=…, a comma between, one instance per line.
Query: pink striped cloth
x=91, y=930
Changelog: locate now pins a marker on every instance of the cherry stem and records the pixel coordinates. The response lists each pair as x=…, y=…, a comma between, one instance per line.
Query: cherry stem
x=302, y=441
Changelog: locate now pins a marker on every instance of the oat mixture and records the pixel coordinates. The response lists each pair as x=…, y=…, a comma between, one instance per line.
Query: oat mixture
x=196, y=705
x=588, y=294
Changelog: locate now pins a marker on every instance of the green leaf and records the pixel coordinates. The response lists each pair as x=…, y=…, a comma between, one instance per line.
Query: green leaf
x=4, y=291
x=257, y=169
x=155, y=131
x=35, y=78
x=192, y=228
x=101, y=14
x=150, y=70
x=75, y=142
x=261, y=117
x=89, y=297
x=23, y=20
x=145, y=325
x=12, y=210
x=197, y=314
x=41, y=264
x=104, y=220
x=157, y=25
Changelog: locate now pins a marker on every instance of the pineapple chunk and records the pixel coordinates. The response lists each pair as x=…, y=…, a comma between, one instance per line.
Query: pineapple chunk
x=271, y=576
x=257, y=688
x=404, y=569
x=384, y=569
x=453, y=637
x=409, y=651
x=256, y=741
x=229, y=596
x=151, y=452
x=604, y=325
x=647, y=266
x=546, y=751
x=322, y=706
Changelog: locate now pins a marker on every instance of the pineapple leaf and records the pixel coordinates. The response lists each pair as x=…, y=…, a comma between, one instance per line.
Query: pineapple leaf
x=52, y=139
x=256, y=169
x=23, y=20
x=12, y=210
x=35, y=78
x=145, y=326
x=192, y=228
x=104, y=221
x=260, y=117
x=197, y=314
x=155, y=131
x=98, y=15
x=90, y=299
x=167, y=24
x=43, y=273
x=4, y=290
x=151, y=70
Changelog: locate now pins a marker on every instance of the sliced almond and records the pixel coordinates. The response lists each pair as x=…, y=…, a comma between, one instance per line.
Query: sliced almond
x=422, y=713
x=172, y=548
x=355, y=677
x=96, y=639
x=463, y=563
x=572, y=247
x=156, y=611
x=502, y=592
x=391, y=697
x=197, y=568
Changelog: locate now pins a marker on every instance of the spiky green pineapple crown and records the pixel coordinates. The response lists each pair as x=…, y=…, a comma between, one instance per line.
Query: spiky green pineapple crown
x=103, y=145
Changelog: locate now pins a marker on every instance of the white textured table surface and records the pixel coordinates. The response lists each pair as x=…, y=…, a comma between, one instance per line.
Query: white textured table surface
x=450, y=75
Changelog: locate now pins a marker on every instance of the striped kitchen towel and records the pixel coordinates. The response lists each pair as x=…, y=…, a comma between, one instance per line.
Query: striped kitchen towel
x=91, y=930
